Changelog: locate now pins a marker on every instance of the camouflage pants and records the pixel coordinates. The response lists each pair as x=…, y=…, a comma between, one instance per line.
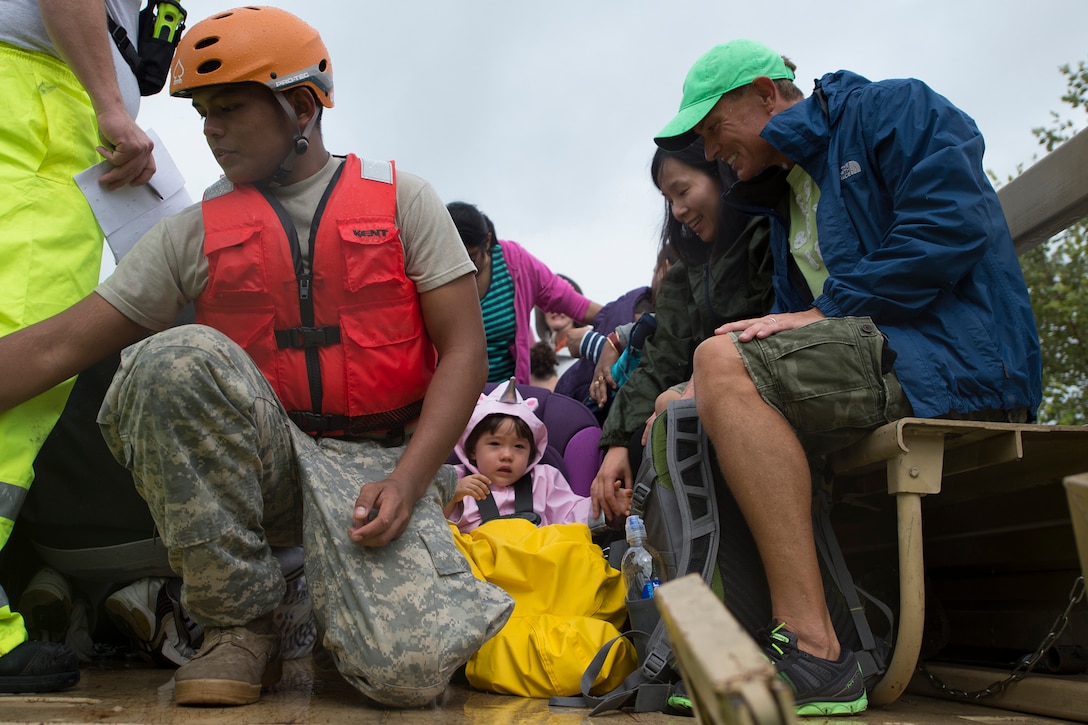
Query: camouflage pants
x=226, y=475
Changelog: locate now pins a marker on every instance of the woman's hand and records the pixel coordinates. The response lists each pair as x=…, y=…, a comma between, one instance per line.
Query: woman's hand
x=614, y=475
x=602, y=375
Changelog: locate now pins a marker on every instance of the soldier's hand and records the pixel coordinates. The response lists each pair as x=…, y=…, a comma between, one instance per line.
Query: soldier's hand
x=381, y=512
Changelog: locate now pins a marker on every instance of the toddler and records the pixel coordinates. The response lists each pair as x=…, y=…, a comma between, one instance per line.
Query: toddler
x=501, y=475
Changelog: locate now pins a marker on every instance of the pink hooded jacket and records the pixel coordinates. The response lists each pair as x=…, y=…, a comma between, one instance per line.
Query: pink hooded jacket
x=536, y=286
x=553, y=499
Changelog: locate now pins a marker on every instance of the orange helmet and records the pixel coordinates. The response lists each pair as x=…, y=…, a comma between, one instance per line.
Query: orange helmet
x=260, y=44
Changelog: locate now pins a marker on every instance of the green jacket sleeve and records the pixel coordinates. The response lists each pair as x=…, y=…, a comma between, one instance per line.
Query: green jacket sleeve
x=735, y=284
x=666, y=361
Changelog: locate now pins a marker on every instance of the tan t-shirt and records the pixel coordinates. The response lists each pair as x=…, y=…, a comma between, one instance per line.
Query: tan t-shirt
x=167, y=268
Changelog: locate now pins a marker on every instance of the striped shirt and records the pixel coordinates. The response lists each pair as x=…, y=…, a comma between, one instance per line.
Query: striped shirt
x=500, y=321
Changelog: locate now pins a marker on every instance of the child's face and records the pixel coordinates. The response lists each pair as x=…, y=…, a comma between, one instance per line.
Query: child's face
x=558, y=321
x=502, y=456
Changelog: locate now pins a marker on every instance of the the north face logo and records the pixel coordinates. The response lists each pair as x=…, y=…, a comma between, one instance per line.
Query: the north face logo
x=849, y=169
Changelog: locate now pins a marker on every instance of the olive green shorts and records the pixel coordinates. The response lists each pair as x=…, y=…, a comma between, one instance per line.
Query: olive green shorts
x=832, y=380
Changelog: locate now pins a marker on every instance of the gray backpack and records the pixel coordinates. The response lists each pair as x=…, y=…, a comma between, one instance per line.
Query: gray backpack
x=695, y=525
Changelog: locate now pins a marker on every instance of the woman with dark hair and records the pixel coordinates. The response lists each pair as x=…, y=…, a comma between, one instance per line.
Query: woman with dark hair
x=511, y=282
x=723, y=274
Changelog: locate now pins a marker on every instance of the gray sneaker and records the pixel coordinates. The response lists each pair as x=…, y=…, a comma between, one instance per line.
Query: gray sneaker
x=820, y=687
x=294, y=617
x=149, y=611
x=46, y=605
x=232, y=666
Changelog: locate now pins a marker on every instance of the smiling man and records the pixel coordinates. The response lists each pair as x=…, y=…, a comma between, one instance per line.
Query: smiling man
x=898, y=290
x=339, y=355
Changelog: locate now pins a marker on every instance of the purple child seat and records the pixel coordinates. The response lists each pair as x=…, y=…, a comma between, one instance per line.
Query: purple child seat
x=573, y=435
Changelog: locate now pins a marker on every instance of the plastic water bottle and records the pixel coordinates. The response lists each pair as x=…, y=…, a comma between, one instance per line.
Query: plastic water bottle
x=641, y=566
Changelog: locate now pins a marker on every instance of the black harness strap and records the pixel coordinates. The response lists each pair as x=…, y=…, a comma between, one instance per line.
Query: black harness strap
x=523, y=504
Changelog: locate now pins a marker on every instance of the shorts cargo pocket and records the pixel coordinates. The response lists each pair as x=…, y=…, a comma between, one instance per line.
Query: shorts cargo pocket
x=830, y=375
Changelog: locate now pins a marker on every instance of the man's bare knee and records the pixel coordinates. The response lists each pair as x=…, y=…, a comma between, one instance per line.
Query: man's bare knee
x=717, y=360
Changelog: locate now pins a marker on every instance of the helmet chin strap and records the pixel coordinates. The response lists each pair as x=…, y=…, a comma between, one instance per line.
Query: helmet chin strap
x=301, y=142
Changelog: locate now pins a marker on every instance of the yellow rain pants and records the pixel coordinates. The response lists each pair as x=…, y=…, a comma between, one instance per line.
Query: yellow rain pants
x=50, y=250
x=568, y=602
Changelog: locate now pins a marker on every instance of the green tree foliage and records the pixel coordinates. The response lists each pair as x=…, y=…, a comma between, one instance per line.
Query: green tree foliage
x=1055, y=272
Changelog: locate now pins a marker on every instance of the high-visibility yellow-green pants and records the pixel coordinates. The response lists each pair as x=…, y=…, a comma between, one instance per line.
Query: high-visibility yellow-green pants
x=50, y=250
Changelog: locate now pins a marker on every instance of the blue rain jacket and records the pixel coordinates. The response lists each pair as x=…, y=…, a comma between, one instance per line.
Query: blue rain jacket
x=913, y=235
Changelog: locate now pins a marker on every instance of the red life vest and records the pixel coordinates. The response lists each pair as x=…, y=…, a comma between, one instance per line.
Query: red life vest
x=344, y=345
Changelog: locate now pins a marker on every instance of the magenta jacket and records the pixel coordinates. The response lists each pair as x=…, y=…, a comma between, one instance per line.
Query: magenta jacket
x=536, y=286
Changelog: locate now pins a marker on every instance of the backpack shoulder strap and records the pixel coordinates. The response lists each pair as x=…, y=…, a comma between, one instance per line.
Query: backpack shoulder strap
x=643, y=694
x=675, y=489
x=120, y=38
x=872, y=656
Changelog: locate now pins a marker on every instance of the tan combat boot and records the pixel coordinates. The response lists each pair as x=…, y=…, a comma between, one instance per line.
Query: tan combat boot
x=232, y=665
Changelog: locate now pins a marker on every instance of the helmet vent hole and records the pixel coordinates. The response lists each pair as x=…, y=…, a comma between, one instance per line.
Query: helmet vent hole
x=209, y=66
x=273, y=75
x=323, y=65
x=205, y=42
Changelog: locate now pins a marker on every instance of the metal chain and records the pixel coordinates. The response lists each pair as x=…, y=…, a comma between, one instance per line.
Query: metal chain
x=1025, y=665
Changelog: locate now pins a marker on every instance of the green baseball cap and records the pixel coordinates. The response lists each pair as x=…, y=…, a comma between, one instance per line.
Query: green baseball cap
x=721, y=69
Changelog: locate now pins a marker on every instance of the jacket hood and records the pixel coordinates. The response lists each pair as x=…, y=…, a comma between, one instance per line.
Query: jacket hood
x=802, y=131
x=505, y=399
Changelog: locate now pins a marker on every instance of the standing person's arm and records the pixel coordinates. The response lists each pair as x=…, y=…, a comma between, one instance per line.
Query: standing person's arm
x=79, y=32
x=591, y=313
x=36, y=358
x=552, y=292
x=451, y=314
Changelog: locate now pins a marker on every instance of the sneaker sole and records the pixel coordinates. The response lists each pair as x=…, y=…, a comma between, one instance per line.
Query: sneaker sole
x=834, y=708
x=681, y=705
x=137, y=620
x=38, y=683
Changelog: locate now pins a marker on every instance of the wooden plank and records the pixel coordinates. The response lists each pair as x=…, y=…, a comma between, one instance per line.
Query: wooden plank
x=1049, y=195
x=1051, y=695
x=728, y=678
x=1076, y=490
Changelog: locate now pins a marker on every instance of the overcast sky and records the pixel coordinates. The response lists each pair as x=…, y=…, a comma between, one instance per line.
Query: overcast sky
x=543, y=114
